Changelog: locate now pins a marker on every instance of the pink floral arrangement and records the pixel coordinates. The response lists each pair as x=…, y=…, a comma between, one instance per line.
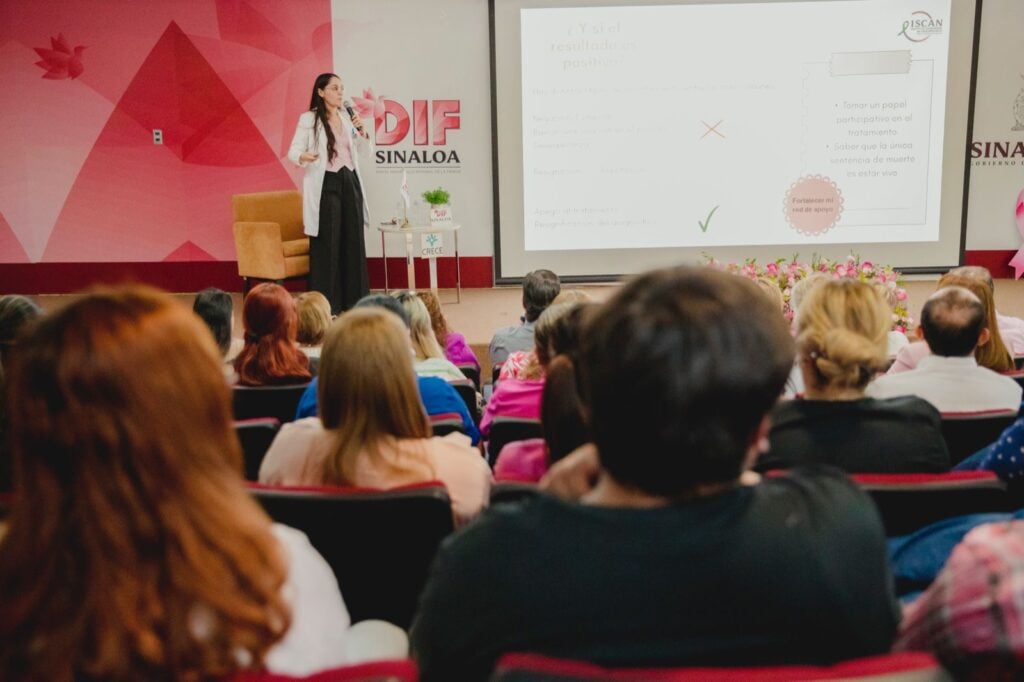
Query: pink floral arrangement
x=785, y=273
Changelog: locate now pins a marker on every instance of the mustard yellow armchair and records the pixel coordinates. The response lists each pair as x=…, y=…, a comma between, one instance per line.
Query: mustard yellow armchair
x=268, y=236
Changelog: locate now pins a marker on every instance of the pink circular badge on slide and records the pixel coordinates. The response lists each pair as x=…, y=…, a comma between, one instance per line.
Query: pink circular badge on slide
x=813, y=205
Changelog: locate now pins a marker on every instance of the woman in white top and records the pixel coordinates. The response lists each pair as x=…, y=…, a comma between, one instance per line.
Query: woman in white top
x=374, y=431
x=134, y=551
x=430, y=358
x=327, y=143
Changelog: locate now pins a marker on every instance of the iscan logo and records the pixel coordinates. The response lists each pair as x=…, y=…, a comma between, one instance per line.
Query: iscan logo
x=920, y=27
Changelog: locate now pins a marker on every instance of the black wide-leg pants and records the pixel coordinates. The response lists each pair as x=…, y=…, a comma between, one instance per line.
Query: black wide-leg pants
x=337, y=256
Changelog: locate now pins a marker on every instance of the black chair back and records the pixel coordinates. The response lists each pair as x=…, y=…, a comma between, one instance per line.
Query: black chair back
x=448, y=422
x=967, y=432
x=255, y=437
x=380, y=543
x=909, y=502
x=505, y=430
x=471, y=372
x=278, y=402
x=466, y=391
x=510, y=492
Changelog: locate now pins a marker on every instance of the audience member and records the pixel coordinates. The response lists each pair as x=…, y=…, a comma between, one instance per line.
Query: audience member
x=561, y=412
x=771, y=289
x=993, y=354
x=270, y=355
x=454, y=344
x=970, y=617
x=430, y=359
x=1010, y=328
x=314, y=317
x=540, y=288
x=668, y=559
x=841, y=342
x=520, y=397
x=215, y=308
x=896, y=340
x=437, y=396
x=134, y=549
x=16, y=312
x=520, y=360
x=374, y=433
x=953, y=325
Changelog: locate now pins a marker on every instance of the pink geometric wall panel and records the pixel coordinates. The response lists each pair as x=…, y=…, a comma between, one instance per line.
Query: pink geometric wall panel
x=136, y=201
x=224, y=80
x=46, y=131
x=9, y=244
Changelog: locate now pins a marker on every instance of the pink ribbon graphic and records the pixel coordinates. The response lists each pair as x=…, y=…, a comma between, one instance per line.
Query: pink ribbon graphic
x=1017, y=262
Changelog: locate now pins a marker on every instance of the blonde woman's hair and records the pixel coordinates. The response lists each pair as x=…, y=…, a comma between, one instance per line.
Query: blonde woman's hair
x=803, y=287
x=842, y=331
x=368, y=394
x=573, y=296
x=994, y=355
x=772, y=291
x=423, y=340
x=314, y=312
x=437, y=319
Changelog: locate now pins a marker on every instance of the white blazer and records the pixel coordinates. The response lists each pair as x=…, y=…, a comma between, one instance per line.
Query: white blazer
x=309, y=137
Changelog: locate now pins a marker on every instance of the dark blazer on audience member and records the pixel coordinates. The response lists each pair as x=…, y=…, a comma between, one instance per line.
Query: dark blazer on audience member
x=894, y=435
x=792, y=570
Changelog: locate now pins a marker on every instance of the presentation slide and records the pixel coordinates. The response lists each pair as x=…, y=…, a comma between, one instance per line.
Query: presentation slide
x=710, y=125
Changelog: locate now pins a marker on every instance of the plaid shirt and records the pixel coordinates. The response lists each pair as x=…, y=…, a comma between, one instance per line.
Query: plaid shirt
x=976, y=604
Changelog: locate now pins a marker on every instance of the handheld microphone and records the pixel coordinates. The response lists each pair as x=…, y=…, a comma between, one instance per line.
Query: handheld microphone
x=352, y=116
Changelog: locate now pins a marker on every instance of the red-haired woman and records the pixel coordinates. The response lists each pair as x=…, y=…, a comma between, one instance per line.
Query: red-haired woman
x=271, y=355
x=134, y=551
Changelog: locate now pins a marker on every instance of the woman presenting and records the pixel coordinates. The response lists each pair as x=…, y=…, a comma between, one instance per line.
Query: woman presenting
x=327, y=143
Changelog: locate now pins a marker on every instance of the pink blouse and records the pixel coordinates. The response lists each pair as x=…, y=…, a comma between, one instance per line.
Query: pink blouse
x=343, y=149
x=513, y=398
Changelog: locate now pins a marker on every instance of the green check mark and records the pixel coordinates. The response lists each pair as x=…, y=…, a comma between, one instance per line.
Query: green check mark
x=707, y=221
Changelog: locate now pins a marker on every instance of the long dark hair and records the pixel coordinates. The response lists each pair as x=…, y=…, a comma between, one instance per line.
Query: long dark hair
x=316, y=103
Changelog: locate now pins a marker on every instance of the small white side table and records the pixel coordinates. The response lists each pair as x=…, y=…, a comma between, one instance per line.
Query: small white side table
x=408, y=232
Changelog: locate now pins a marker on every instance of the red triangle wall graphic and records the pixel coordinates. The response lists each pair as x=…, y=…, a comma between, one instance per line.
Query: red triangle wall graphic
x=11, y=250
x=137, y=201
x=188, y=252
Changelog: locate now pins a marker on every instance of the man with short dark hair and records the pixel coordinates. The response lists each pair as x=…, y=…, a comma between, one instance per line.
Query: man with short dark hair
x=540, y=288
x=674, y=554
x=215, y=308
x=953, y=324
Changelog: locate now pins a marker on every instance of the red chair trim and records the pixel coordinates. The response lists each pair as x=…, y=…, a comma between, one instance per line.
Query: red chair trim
x=405, y=671
x=345, y=490
x=980, y=414
x=862, y=667
x=258, y=421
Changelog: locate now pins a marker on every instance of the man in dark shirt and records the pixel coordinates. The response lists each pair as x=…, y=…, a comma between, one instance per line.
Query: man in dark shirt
x=673, y=555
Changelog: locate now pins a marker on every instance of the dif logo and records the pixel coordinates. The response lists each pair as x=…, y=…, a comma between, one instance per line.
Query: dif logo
x=425, y=123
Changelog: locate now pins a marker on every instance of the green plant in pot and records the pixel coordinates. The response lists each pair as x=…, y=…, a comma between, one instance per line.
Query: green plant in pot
x=440, y=212
x=436, y=197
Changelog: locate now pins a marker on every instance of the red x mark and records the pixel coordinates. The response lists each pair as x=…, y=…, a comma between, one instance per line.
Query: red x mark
x=711, y=129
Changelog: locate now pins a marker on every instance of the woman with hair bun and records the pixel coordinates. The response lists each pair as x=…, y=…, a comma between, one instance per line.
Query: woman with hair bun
x=271, y=355
x=842, y=331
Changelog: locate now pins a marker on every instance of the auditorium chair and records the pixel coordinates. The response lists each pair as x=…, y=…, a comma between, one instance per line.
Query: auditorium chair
x=466, y=391
x=471, y=372
x=279, y=402
x=380, y=543
x=269, y=239
x=255, y=437
x=909, y=502
x=504, y=492
x=448, y=422
x=898, y=667
x=376, y=671
x=505, y=430
x=967, y=432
